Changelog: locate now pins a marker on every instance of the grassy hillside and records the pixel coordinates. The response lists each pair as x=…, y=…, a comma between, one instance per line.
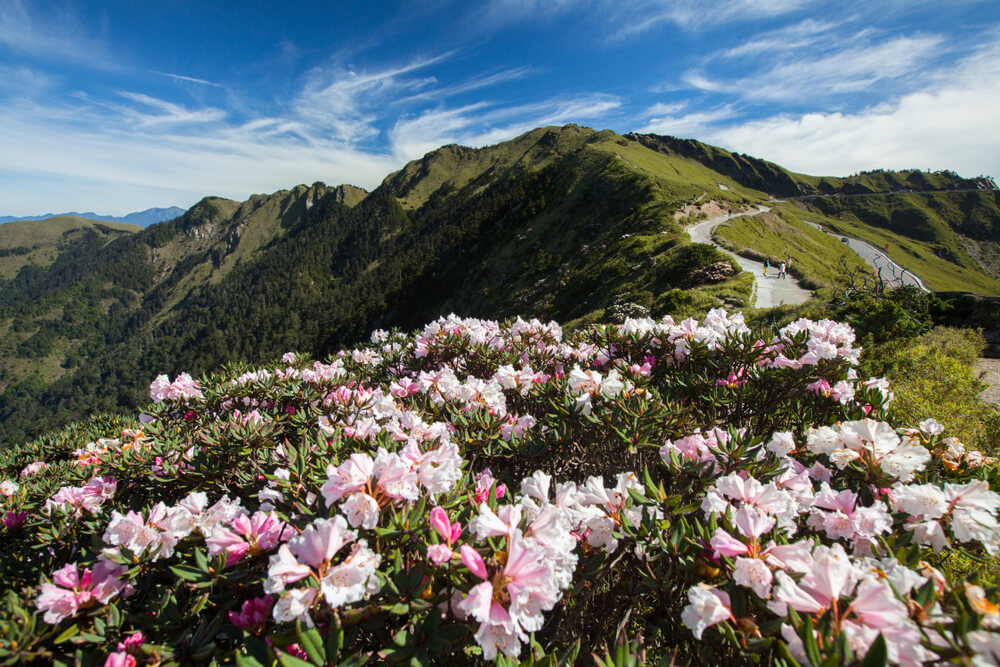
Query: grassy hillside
x=40, y=242
x=817, y=257
x=776, y=180
x=931, y=234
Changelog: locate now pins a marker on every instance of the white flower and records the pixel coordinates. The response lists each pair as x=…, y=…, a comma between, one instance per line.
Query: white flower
x=361, y=510
x=707, y=607
x=753, y=573
x=354, y=579
x=294, y=606
x=782, y=443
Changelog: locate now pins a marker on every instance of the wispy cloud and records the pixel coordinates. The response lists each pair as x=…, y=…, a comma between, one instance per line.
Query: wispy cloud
x=851, y=66
x=169, y=113
x=482, y=124
x=59, y=36
x=191, y=79
x=345, y=104
x=342, y=125
x=668, y=119
x=621, y=19
x=946, y=123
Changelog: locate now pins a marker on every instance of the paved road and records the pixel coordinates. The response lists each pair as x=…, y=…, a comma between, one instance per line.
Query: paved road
x=894, y=274
x=770, y=290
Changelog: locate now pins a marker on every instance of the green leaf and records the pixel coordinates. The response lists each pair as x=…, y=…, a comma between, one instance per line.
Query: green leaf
x=291, y=661
x=878, y=654
x=311, y=642
x=186, y=573
x=248, y=661
x=69, y=632
x=334, y=641
x=809, y=642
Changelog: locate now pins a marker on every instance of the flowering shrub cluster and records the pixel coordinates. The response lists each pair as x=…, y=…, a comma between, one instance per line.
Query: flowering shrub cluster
x=487, y=492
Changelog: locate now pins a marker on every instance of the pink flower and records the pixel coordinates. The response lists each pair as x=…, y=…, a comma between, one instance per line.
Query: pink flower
x=440, y=522
x=33, y=468
x=253, y=615
x=14, y=520
x=321, y=540
x=72, y=590
x=707, y=606
x=119, y=659
x=473, y=561
x=132, y=643
x=439, y=553
x=183, y=387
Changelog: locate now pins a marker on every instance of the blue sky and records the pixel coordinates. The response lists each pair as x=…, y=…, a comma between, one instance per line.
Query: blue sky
x=119, y=105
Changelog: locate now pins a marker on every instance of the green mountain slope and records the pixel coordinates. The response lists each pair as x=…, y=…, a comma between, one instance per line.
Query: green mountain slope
x=40, y=242
x=568, y=223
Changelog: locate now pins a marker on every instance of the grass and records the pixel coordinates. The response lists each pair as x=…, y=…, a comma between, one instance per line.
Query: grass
x=44, y=238
x=927, y=233
x=917, y=256
x=816, y=256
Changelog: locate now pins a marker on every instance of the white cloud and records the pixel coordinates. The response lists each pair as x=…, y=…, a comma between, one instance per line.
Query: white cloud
x=949, y=124
x=483, y=124
x=693, y=124
x=345, y=105
x=141, y=150
x=813, y=74
x=191, y=79
x=172, y=114
x=58, y=37
x=626, y=18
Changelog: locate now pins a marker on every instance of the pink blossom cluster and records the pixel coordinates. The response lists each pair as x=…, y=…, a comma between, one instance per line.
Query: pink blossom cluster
x=367, y=484
x=756, y=519
x=156, y=535
x=72, y=590
x=310, y=556
x=128, y=651
x=75, y=500
x=33, y=468
x=8, y=488
x=869, y=442
x=255, y=535
x=182, y=388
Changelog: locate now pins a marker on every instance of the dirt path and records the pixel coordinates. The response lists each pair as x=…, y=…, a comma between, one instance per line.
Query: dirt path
x=990, y=368
x=770, y=290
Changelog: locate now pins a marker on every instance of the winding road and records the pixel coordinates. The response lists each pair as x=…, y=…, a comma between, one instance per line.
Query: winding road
x=878, y=260
x=770, y=290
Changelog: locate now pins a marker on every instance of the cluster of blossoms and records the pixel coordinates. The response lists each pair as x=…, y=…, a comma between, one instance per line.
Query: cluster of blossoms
x=72, y=590
x=183, y=387
x=75, y=500
x=850, y=578
x=93, y=453
x=367, y=492
x=158, y=533
x=33, y=468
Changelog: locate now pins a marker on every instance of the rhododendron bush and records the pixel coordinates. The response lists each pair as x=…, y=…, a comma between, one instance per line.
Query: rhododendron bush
x=689, y=491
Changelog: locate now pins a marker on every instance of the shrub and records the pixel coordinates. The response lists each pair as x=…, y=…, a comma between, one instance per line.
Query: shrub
x=476, y=492
x=934, y=375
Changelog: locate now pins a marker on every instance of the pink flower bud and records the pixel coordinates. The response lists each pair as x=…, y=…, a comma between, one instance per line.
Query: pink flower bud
x=473, y=561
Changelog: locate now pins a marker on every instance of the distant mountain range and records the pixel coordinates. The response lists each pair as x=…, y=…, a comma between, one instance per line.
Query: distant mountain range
x=566, y=223
x=142, y=218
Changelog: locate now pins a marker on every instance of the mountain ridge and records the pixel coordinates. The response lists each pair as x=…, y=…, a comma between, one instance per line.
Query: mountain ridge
x=141, y=218
x=566, y=222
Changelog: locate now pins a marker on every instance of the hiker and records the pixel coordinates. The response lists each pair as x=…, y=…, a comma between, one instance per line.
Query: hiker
x=781, y=270
x=767, y=265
